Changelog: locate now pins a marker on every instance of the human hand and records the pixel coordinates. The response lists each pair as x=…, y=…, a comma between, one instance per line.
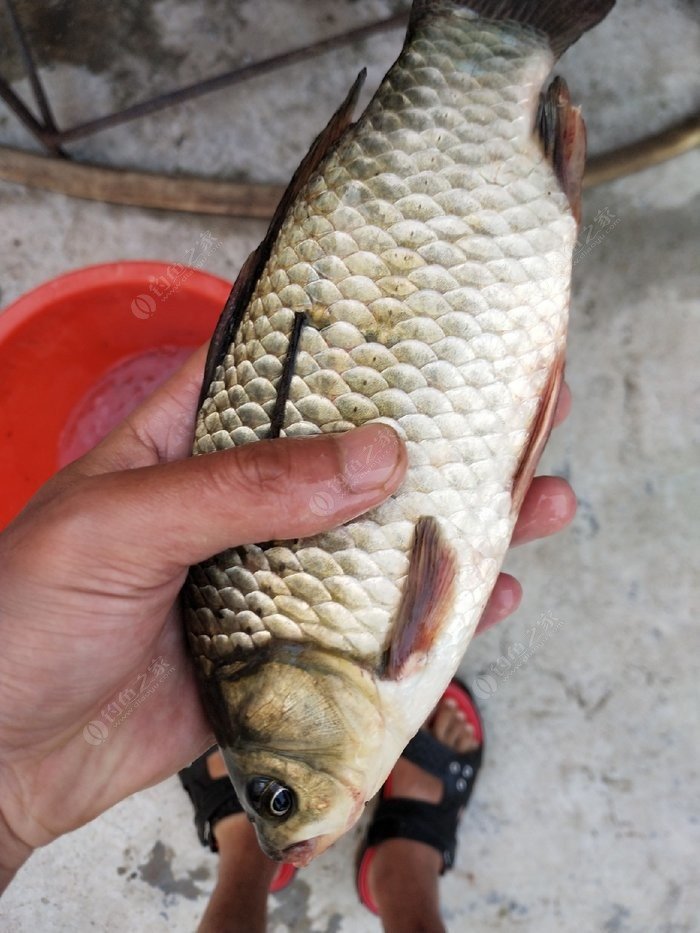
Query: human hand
x=89, y=578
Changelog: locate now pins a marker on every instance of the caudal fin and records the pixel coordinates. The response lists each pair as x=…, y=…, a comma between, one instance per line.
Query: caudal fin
x=561, y=21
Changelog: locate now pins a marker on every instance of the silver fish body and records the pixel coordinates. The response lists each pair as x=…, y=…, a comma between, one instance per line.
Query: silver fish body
x=421, y=278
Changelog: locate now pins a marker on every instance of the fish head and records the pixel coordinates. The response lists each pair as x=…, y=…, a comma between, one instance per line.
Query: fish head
x=297, y=808
x=302, y=751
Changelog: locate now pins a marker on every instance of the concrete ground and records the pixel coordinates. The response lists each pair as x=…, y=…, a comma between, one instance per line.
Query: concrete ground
x=587, y=814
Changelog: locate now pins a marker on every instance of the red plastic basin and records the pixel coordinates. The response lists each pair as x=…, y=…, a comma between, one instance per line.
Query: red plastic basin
x=80, y=351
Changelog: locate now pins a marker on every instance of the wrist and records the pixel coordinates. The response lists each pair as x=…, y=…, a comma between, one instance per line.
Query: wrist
x=13, y=853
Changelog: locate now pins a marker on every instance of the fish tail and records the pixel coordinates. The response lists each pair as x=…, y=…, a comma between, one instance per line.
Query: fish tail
x=563, y=22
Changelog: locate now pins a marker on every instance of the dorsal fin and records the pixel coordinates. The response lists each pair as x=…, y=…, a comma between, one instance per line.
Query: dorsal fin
x=247, y=279
x=563, y=134
x=427, y=597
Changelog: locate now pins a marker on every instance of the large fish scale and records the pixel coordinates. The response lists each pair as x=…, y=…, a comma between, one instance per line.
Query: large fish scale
x=431, y=256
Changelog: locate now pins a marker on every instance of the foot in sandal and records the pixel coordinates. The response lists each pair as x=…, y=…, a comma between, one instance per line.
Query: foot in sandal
x=245, y=873
x=412, y=837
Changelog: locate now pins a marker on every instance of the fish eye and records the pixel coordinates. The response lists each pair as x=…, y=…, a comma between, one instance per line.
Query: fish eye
x=256, y=788
x=270, y=797
x=280, y=801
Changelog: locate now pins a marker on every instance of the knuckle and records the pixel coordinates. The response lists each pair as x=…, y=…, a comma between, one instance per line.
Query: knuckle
x=264, y=466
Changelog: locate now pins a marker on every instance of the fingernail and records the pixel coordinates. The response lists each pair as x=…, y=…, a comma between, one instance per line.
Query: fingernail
x=373, y=457
x=560, y=505
x=552, y=511
x=509, y=598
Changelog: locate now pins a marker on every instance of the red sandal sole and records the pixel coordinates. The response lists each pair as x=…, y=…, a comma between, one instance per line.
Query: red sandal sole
x=283, y=878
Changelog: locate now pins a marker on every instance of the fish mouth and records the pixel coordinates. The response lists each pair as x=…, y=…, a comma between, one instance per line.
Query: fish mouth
x=299, y=854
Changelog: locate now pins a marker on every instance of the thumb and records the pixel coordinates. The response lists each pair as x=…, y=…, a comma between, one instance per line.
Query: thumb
x=176, y=514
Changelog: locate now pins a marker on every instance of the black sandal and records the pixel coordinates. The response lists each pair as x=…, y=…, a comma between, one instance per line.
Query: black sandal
x=434, y=824
x=213, y=799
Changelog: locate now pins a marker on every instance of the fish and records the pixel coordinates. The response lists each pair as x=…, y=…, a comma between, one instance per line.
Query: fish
x=416, y=273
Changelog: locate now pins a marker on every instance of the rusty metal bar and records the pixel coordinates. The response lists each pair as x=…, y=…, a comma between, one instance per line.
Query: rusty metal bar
x=24, y=114
x=228, y=78
x=31, y=69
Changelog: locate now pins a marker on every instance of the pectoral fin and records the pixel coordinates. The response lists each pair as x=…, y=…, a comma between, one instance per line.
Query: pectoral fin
x=563, y=135
x=427, y=598
x=539, y=434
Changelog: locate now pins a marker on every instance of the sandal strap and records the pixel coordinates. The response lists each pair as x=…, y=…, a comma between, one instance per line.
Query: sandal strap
x=456, y=770
x=434, y=824
x=401, y=818
x=212, y=798
x=445, y=763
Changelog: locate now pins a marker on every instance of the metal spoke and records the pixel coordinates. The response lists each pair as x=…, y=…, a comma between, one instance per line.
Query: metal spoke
x=24, y=114
x=32, y=72
x=51, y=137
x=228, y=78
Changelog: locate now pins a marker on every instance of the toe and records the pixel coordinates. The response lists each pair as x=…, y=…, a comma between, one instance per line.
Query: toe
x=466, y=740
x=216, y=766
x=443, y=722
x=455, y=729
x=451, y=727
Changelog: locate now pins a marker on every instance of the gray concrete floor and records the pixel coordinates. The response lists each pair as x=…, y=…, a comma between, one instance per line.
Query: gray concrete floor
x=587, y=815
